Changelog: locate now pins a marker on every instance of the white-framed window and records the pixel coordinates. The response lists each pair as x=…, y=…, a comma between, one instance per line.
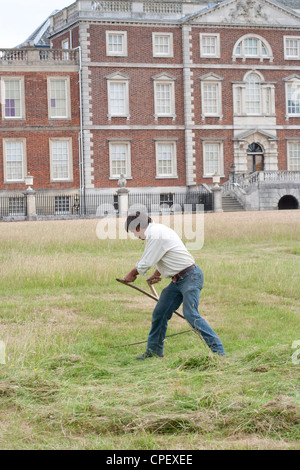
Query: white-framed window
x=119, y=159
x=59, y=103
x=116, y=43
x=166, y=160
x=14, y=161
x=292, y=93
x=118, y=95
x=164, y=96
x=66, y=46
x=213, y=159
x=211, y=95
x=291, y=47
x=61, y=159
x=252, y=46
x=13, y=101
x=253, y=96
x=162, y=44
x=293, y=155
x=209, y=45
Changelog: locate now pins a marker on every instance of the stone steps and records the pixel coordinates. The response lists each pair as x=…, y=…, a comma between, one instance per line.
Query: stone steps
x=230, y=204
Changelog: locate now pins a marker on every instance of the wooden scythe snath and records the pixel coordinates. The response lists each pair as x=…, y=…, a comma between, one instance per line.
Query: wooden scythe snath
x=155, y=297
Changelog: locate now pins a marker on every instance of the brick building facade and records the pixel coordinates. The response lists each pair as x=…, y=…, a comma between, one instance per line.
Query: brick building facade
x=169, y=94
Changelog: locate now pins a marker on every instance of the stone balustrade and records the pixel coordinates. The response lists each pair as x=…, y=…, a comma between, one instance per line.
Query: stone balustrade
x=123, y=9
x=38, y=56
x=245, y=181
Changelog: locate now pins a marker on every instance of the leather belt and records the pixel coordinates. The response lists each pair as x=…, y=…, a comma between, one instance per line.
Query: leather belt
x=186, y=270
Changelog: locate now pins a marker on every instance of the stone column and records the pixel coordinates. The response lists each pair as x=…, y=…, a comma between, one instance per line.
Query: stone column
x=31, y=205
x=123, y=201
x=217, y=195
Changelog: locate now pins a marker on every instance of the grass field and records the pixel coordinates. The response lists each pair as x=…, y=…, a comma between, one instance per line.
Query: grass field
x=65, y=386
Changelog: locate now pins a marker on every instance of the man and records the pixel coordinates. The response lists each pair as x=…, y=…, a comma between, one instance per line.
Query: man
x=165, y=250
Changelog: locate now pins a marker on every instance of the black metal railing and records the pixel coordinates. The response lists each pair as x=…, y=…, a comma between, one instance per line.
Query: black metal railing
x=13, y=205
x=99, y=205
x=96, y=205
x=174, y=202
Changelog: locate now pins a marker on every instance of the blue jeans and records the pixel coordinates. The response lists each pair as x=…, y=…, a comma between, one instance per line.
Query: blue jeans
x=187, y=291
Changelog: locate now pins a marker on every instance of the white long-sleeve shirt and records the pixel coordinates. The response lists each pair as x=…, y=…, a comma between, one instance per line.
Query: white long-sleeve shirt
x=165, y=250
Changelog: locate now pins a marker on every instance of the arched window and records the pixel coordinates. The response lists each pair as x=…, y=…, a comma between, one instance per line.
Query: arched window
x=252, y=47
x=253, y=96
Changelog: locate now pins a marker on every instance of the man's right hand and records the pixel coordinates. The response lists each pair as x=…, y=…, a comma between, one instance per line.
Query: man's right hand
x=131, y=276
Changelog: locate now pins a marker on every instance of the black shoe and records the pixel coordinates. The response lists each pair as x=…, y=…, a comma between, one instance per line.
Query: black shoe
x=146, y=355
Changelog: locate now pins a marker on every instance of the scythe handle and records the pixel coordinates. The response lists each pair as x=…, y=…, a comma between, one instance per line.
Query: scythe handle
x=152, y=296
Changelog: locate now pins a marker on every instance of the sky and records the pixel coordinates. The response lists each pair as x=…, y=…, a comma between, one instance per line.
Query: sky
x=20, y=18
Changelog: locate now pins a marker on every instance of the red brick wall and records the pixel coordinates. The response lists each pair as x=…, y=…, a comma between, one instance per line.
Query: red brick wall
x=73, y=39
x=228, y=39
x=139, y=44
x=37, y=129
x=143, y=158
x=141, y=97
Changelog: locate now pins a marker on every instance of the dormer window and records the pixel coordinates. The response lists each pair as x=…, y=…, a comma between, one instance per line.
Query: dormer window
x=252, y=47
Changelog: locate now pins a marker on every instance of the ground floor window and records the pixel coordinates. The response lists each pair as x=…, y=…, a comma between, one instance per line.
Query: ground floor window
x=16, y=206
x=166, y=199
x=62, y=205
x=119, y=159
x=213, y=159
x=294, y=156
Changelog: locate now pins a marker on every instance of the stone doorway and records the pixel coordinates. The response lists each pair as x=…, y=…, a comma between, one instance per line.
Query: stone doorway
x=255, y=158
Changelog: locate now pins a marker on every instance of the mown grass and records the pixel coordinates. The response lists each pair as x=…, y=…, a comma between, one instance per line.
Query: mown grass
x=66, y=386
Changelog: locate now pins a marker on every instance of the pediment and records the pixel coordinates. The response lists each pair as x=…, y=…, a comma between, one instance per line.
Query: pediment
x=210, y=76
x=250, y=132
x=292, y=78
x=247, y=12
x=163, y=76
x=117, y=76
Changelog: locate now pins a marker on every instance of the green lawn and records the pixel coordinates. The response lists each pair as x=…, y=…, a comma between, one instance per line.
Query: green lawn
x=66, y=386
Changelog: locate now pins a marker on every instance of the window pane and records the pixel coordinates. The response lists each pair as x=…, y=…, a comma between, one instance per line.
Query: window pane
x=12, y=98
x=14, y=161
x=294, y=99
x=210, y=99
x=162, y=45
x=62, y=205
x=252, y=94
x=292, y=47
x=117, y=98
x=294, y=156
x=115, y=43
x=163, y=98
x=209, y=45
x=251, y=46
x=165, y=159
x=58, y=98
x=118, y=159
x=60, y=159
x=211, y=156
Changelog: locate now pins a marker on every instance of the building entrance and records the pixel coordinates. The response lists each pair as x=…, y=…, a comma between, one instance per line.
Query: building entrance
x=255, y=158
